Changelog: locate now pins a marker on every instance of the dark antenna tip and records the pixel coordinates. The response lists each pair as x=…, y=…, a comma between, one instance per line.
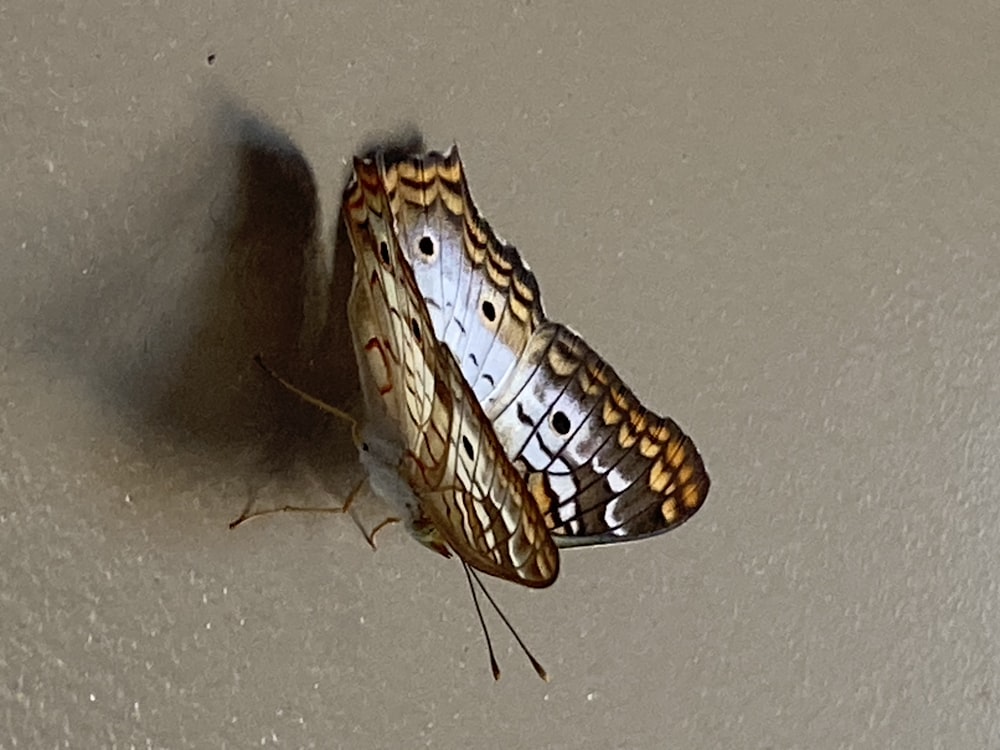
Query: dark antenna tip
x=539, y=669
x=470, y=574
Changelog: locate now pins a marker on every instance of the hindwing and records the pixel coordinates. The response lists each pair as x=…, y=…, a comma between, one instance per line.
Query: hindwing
x=466, y=487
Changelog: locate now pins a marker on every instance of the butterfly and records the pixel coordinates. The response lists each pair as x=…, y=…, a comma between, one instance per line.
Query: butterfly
x=497, y=434
x=503, y=432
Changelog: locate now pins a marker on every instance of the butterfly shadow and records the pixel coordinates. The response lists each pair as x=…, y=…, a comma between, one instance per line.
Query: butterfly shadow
x=212, y=253
x=279, y=293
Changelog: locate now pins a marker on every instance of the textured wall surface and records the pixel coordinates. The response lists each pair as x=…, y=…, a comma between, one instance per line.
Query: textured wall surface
x=778, y=221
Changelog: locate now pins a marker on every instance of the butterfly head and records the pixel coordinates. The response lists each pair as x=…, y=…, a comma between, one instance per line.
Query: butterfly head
x=424, y=531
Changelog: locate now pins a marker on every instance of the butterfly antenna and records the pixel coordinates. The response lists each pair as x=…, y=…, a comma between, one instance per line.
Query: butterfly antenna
x=312, y=400
x=482, y=623
x=539, y=669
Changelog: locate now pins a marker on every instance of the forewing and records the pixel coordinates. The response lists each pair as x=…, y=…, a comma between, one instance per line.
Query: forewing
x=601, y=467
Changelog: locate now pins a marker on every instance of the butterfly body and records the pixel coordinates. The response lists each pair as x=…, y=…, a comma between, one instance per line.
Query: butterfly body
x=497, y=433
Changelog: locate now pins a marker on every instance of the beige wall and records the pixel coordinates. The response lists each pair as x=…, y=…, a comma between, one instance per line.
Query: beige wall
x=778, y=221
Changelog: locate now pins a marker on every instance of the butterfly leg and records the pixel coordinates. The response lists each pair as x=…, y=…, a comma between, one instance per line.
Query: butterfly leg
x=370, y=536
x=312, y=400
x=245, y=516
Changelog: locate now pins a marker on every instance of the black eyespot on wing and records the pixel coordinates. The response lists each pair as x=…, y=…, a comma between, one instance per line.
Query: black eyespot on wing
x=415, y=327
x=467, y=446
x=560, y=422
x=489, y=311
x=383, y=251
x=426, y=246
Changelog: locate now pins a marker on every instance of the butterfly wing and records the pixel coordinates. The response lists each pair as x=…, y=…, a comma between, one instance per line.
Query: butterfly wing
x=451, y=458
x=601, y=467
x=483, y=300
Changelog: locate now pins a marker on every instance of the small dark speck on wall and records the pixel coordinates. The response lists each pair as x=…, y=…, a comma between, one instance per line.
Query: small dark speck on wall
x=210, y=59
